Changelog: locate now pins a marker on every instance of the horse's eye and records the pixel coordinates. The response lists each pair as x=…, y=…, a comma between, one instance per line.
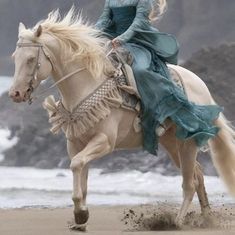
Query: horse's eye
x=30, y=60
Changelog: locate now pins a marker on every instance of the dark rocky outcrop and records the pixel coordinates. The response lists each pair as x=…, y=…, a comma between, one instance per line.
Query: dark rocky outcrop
x=216, y=68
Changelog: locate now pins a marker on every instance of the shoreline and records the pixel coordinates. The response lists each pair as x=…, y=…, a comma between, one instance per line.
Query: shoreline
x=107, y=220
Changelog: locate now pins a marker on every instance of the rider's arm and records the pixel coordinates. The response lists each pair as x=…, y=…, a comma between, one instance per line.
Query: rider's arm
x=105, y=19
x=143, y=10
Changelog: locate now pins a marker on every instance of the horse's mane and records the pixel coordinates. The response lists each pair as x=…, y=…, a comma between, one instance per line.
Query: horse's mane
x=78, y=40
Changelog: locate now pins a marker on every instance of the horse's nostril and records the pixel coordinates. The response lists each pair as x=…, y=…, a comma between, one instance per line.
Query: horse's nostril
x=17, y=93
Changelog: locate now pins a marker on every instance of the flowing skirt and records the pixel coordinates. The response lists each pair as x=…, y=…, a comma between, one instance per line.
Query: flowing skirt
x=162, y=99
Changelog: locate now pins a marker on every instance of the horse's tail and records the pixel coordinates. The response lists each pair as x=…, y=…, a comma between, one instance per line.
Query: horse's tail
x=223, y=152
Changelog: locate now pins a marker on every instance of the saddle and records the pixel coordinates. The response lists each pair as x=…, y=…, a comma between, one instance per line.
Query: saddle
x=122, y=60
x=124, y=77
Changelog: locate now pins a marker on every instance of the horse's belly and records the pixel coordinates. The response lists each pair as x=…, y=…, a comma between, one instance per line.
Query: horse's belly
x=127, y=136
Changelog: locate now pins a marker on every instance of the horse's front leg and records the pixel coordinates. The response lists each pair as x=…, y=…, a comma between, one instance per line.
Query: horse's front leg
x=80, y=206
x=97, y=147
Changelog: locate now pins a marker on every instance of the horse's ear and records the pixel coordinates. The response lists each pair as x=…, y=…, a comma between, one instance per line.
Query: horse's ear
x=38, y=31
x=21, y=27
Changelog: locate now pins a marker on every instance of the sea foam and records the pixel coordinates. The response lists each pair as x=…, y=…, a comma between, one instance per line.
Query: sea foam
x=29, y=187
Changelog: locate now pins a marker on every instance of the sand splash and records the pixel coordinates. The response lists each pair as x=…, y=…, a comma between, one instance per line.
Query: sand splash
x=162, y=218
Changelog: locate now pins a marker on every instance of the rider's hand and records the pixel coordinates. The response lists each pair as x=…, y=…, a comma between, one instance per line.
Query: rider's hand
x=116, y=43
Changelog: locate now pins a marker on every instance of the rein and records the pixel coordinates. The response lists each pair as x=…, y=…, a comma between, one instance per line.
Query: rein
x=37, y=67
x=58, y=82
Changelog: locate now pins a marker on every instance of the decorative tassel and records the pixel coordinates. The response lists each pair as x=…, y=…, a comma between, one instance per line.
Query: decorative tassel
x=82, y=127
x=70, y=130
x=76, y=129
x=92, y=117
x=83, y=120
x=56, y=128
x=55, y=119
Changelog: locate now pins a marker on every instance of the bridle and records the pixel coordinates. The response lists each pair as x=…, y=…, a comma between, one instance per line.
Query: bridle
x=37, y=66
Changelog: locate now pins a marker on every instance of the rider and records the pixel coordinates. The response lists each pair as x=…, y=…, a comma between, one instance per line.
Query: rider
x=128, y=23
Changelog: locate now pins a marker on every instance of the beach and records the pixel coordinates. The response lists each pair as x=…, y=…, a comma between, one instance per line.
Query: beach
x=103, y=220
x=38, y=202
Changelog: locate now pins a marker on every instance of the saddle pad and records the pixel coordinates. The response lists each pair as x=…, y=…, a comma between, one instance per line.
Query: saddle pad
x=130, y=79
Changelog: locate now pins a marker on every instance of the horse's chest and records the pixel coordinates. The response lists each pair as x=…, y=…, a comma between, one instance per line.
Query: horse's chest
x=87, y=114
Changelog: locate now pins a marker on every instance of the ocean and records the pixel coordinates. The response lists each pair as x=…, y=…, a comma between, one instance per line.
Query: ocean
x=5, y=143
x=5, y=83
x=29, y=187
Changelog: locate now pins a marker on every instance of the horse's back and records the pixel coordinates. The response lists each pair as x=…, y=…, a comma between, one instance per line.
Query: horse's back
x=195, y=89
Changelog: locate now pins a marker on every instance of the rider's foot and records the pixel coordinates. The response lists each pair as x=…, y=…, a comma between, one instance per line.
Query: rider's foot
x=160, y=130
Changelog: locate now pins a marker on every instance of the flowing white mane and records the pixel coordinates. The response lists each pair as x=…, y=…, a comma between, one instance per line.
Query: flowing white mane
x=78, y=40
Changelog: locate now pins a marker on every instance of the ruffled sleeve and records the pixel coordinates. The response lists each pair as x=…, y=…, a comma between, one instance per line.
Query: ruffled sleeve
x=105, y=19
x=141, y=19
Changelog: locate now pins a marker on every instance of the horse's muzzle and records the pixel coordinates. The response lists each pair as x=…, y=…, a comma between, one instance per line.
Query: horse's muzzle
x=18, y=96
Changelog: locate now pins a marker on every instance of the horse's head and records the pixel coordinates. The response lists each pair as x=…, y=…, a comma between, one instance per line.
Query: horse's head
x=32, y=64
x=59, y=45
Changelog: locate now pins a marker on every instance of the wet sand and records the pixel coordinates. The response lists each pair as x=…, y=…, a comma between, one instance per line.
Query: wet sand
x=139, y=220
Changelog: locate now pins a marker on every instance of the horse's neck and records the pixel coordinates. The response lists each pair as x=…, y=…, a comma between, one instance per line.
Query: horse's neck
x=75, y=88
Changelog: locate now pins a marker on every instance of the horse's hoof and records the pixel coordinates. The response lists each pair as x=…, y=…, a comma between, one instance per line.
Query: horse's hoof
x=77, y=227
x=207, y=213
x=81, y=216
x=179, y=222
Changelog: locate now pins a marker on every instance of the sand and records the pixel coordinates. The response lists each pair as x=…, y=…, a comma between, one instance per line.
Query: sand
x=116, y=220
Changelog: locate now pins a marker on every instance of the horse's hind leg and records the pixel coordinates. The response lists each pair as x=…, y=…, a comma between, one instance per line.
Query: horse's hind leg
x=201, y=191
x=187, y=154
x=172, y=145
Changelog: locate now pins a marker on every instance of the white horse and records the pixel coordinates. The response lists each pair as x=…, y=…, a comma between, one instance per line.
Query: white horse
x=91, y=113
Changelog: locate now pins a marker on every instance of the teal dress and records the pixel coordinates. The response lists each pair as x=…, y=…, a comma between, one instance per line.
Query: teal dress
x=128, y=20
